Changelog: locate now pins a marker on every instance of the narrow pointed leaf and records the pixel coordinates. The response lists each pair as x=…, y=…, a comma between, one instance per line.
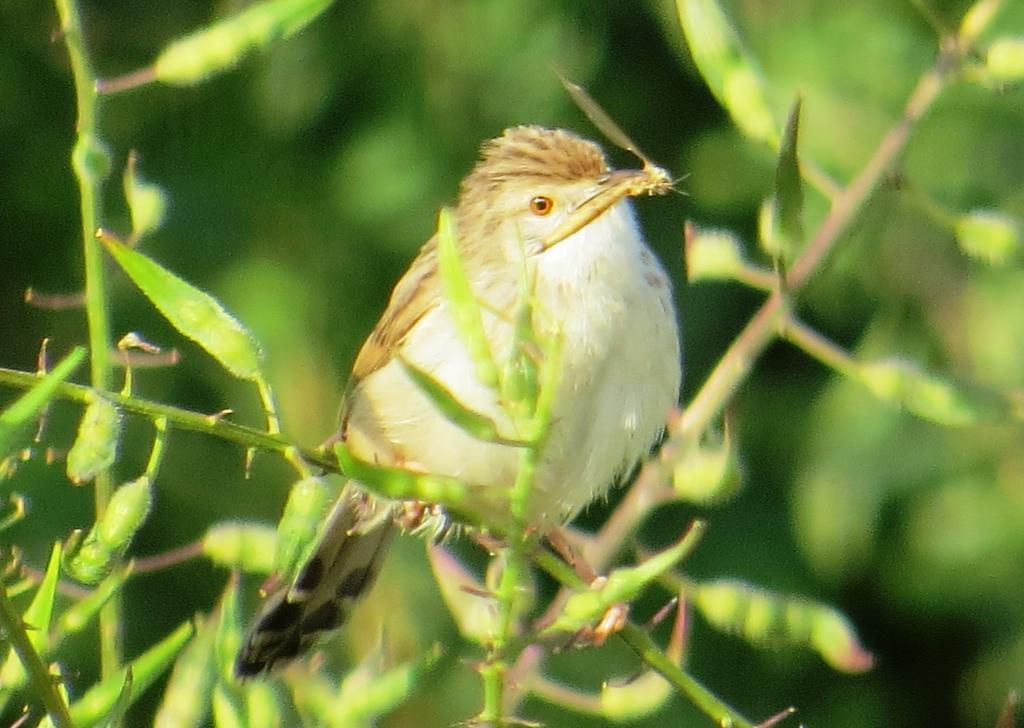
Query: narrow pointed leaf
x=262, y=706
x=227, y=713
x=19, y=415
x=228, y=634
x=361, y=701
x=193, y=312
x=478, y=425
x=186, y=700
x=80, y=614
x=787, y=232
x=463, y=306
x=623, y=584
x=400, y=483
x=37, y=621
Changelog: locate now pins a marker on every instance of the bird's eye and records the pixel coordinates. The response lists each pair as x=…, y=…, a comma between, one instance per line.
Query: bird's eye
x=542, y=205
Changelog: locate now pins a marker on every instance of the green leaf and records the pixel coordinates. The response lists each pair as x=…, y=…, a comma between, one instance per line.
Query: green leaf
x=362, y=698
x=787, y=233
x=366, y=693
x=95, y=447
x=37, y=621
x=186, y=701
x=727, y=68
x=227, y=713
x=478, y=425
x=27, y=407
x=463, y=306
x=399, y=483
x=767, y=619
x=228, y=637
x=220, y=46
x=623, y=584
x=193, y=312
x=262, y=706
x=249, y=547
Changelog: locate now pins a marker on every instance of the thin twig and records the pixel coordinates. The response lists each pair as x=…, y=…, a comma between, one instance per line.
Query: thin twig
x=182, y=419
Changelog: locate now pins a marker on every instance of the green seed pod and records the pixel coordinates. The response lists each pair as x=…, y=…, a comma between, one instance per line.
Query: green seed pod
x=112, y=534
x=707, y=474
x=766, y=619
x=988, y=235
x=1005, y=59
x=249, y=547
x=712, y=254
x=95, y=448
x=901, y=382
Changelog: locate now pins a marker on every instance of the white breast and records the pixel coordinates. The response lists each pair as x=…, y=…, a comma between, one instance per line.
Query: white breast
x=611, y=302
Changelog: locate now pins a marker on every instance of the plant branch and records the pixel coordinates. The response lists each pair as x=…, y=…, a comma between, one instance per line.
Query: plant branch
x=213, y=425
x=763, y=328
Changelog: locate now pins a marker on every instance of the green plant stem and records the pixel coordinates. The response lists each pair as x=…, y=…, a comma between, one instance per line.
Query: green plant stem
x=642, y=644
x=813, y=343
x=43, y=683
x=88, y=166
x=213, y=425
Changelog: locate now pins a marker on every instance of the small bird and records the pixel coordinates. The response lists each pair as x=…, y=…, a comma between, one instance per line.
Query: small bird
x=547, y=200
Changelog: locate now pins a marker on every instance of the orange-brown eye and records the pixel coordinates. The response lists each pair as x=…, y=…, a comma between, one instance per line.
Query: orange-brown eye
x=541, y=205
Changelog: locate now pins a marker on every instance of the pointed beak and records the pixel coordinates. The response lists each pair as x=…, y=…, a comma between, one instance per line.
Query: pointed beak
x=611, y=188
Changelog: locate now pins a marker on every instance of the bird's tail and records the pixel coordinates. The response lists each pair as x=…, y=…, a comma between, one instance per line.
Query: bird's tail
x=342, y=568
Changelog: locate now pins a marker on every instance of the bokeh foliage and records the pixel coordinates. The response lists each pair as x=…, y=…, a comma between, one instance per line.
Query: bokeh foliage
x=300, y=185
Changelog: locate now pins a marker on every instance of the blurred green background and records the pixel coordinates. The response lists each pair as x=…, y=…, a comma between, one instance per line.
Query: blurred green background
x=302, y=184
